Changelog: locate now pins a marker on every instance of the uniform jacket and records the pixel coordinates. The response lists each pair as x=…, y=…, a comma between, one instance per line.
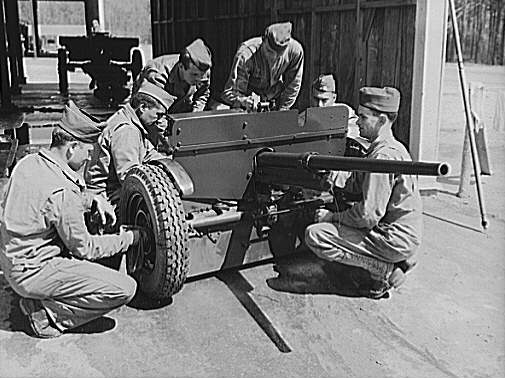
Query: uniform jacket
x=122, y=145
x=391, y=206
x=41, y=216
x=190, y=98
x=252, y=72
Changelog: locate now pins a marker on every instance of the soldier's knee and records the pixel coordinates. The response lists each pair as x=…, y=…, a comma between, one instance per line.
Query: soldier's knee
x=130, y=288
x=311, y=234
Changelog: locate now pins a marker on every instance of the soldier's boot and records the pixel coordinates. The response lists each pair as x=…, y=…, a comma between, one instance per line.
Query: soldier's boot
x=40, y=323
x=407, y=265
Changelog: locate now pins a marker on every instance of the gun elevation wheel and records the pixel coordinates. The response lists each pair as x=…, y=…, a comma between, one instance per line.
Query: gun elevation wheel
x=150, y=199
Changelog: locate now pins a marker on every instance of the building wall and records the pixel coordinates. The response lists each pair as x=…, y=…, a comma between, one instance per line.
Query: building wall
x=361, y=42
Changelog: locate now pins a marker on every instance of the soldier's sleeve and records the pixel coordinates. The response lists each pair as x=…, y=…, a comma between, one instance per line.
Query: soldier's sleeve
x=156, y=72
x=125, y=148
x=66, y=215
x=376, y=190
x=201, y=96
x=292, y=80
x=235, y=89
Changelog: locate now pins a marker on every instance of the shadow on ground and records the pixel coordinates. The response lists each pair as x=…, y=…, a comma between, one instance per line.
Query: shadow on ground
x=307, y=274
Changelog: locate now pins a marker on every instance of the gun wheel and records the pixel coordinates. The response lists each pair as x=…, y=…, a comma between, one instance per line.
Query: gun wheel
x=150, y=199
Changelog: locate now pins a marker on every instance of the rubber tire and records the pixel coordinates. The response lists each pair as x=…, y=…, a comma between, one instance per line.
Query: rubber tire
x=137, y=63
x=168, y=222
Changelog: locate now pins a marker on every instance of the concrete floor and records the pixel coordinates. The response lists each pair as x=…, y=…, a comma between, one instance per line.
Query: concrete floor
x=446, y=321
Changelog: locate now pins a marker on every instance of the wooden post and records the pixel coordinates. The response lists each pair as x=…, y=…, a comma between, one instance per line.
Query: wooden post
x=429, y=57
x=5, y=93
x=14, y=43
x=91, y=12
x=36, y=42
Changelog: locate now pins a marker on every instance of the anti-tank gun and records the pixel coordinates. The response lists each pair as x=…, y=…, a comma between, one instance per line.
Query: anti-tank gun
x=236, y=191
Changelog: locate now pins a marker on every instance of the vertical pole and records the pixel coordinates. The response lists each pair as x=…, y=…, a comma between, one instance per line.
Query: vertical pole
x=101, y=14
x=19, y=50
x=13, y=42
x=36, y=42
x=90, y=13
x=469, y=118
x=5, y=94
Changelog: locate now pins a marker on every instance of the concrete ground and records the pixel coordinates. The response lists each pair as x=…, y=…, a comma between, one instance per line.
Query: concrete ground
x=445, y=321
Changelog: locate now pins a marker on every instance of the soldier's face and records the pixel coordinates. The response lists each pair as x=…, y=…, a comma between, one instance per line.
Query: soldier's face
x=153, y=117
x=369, y=123
x=78, y=154
x=193, y=74
x=323, y=101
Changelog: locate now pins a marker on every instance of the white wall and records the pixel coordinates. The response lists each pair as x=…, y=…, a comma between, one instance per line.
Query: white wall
x=429, y=58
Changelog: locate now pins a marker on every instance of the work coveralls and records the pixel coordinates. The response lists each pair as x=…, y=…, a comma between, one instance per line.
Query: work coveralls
x=278, y=80
x=190, y=98
x=122, y=145
x=383, y=228
x=45, y=244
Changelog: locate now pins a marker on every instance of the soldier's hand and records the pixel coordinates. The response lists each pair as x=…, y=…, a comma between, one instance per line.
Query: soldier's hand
x=323, y=215
x=104, y=209
x=156, y=78
x=247, y=103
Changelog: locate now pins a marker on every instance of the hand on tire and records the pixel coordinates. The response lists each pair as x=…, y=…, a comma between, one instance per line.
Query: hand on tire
x=141, y=236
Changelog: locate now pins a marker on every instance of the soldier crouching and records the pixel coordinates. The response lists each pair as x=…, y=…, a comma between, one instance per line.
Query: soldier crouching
x=46, y=252
x=381, y=231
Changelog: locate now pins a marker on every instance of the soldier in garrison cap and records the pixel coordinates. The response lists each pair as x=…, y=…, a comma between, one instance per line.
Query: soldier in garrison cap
x=130, y=138
x=380, y=232
x=324, y=93
x=186, y=76
x=266, y=69
x=45, y=247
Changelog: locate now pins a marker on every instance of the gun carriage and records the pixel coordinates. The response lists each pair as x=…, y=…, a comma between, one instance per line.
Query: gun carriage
x=107, y=60
x=241, y=188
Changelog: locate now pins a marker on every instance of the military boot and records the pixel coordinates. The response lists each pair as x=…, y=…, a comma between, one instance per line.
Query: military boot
x=40, y=324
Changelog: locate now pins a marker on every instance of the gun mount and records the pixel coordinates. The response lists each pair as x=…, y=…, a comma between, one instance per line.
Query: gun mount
x=254, y=189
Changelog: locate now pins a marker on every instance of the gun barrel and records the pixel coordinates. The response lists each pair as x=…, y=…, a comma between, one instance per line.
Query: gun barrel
x=338, y=163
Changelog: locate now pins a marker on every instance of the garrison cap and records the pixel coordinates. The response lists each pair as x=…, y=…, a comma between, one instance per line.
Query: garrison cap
x=385, y=99
x=323, y=86
x=278, y=35
x=158, y=93
x=200, y=54
x=81, y=125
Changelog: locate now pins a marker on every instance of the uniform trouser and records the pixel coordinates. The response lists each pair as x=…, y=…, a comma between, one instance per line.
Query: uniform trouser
x=72, y=291
x=345, y=245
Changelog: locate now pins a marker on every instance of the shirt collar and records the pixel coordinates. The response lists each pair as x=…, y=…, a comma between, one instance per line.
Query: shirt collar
x=132, y=116
x=54, y=159
x=175, y=73
x=386, y=136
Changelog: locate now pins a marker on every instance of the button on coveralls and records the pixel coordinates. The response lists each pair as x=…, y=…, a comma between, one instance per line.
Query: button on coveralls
x=45, y=244
x=383, y=228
